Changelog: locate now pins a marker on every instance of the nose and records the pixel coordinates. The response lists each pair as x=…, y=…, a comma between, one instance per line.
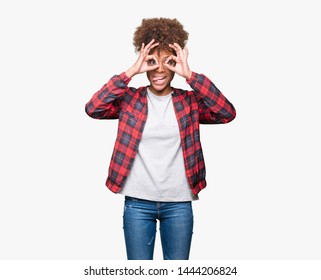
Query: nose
x=161, y=67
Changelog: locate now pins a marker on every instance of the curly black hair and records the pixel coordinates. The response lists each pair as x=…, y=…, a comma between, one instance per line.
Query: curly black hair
x=164, y=30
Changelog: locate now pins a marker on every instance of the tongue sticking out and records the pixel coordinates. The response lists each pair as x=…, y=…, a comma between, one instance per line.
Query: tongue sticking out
x=158, y=79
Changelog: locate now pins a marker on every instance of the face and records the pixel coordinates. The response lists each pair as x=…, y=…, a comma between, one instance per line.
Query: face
x=161, y=77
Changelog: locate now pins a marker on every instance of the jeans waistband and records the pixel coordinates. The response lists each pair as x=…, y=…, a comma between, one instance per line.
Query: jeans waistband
x=130, y=198
x=137, y=199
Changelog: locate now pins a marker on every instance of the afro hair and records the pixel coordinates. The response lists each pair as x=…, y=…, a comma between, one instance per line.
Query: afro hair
x=164, y=30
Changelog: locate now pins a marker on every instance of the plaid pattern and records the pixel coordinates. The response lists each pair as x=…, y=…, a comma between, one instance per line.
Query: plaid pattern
x=204, y=105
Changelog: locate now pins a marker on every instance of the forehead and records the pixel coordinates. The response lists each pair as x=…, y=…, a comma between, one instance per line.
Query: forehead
x=161, y=53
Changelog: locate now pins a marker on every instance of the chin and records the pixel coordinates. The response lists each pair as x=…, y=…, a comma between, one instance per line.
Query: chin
x=161, y=89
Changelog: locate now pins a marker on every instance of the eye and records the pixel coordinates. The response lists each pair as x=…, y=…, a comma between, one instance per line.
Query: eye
x=151, y=62
x=171, y=62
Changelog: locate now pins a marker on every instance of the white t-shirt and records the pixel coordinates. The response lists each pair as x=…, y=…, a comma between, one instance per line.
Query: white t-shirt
x=158, y=171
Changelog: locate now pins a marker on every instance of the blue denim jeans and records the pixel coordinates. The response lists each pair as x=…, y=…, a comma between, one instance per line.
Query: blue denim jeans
x=175, y=224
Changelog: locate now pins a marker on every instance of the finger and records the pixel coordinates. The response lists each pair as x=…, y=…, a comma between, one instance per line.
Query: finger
x=186, y=51
x=171, y=57
x=151, y=44
x=149, y=68
x=142, y=47
x=171, y=68
x=151, y=56
x=151, y=47
x=151, y=60
x=178, y=47
x=172, y=46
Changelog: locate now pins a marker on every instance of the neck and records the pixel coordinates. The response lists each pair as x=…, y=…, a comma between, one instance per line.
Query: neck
x=162, y=92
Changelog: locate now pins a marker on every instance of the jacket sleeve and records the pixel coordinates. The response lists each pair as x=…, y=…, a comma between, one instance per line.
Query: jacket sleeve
x=105, y=103
x=214, y=108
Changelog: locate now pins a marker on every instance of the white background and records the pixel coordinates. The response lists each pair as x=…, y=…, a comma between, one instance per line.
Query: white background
x=263, y=195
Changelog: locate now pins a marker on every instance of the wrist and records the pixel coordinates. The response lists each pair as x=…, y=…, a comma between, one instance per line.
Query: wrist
x=188, y=75
x=130, y=73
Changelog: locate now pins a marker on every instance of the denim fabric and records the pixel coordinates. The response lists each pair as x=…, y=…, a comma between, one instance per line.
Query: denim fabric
x=175, y=224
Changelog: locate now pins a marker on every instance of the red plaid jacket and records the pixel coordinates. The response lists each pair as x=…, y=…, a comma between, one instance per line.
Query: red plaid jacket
x=115, y=100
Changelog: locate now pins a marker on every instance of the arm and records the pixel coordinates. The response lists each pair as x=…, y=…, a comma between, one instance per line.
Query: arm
x=214, y=108
x=106, y=103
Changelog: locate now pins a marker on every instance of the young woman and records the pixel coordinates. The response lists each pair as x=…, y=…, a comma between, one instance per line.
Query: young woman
x=157, y=162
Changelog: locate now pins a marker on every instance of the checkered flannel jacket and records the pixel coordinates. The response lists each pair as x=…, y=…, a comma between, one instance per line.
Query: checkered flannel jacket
x=204, y=104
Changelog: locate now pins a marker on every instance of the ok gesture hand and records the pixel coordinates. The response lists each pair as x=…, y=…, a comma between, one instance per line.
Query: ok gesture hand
x=181, y=66
x=142, y=65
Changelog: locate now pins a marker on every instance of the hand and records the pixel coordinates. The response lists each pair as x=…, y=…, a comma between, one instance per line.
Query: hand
x=142, y=64
x=181, y=67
